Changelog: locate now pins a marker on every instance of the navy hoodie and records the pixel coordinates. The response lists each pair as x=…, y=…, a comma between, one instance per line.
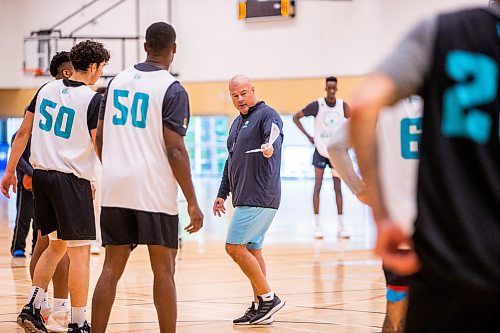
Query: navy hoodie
x=253, y=179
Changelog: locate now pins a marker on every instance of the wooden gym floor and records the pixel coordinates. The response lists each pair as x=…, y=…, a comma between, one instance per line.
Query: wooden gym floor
x=329, y=285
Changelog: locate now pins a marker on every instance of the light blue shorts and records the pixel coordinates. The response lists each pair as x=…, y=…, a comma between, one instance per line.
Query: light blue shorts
x=249, y=226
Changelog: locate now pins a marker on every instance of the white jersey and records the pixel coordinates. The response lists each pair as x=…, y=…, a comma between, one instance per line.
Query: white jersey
x=398, y=132
x=327, y=119
x=136, y=171
x=61, y=140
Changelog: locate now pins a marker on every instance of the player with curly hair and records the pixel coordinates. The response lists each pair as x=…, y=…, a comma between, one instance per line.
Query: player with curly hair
x=62, y=118
x=55, y=317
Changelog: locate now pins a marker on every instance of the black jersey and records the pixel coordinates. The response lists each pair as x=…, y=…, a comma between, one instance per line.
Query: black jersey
x=458, y=226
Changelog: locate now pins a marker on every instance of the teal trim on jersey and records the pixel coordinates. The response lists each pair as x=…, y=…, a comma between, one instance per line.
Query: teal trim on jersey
x=476, y=75
x=47, y=125
x=407, y=137
x=121, y=119
x=63, y=110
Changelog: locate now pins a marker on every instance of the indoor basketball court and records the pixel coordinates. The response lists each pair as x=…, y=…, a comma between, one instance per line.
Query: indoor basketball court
x=319, y=251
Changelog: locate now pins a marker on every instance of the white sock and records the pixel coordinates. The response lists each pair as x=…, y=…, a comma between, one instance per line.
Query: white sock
x=268, y=297
x=255, y=305
x=317, y=221
x=78, y=315
x=340, y=218
x=45, y=306
x=45, y=301
x=36, y=297
x=60, y=304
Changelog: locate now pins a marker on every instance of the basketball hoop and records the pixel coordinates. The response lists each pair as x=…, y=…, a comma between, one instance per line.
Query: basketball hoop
x=37, y=71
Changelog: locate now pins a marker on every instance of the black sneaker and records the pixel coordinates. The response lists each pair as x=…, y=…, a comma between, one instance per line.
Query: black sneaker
x=31, y=320
x=249, y=314
x=266, y=309
x=73, y=328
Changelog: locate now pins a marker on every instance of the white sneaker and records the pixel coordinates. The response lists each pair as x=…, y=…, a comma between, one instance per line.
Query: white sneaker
x=95, y=247
x=318, y=233
x=343, y=233
x=46, y=310
x=58, y=321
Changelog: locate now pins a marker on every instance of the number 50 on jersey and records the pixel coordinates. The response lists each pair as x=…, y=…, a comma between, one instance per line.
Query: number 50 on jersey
x=138, y=110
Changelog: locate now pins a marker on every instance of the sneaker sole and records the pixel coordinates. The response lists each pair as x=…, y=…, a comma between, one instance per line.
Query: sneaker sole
x=243, y=323
x=28, y=326
x=264, y=322
x=56, y=329
x=269, y=315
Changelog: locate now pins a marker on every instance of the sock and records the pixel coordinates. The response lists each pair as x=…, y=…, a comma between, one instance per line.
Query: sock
x=45, y=312
x=45, y=301
x=78, y=315
x=36, y=297
x=340, y=218
x=255, y=305
x=60, y=304
x=317, y=220
x=268, y=297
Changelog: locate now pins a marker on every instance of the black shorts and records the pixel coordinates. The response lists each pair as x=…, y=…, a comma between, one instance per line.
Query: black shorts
x=320, y=161
x=440, y=306
x=63, y=203
x=123, y=226
x=395, y=280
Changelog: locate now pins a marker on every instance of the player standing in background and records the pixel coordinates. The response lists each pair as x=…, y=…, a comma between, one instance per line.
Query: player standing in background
x=328, y=112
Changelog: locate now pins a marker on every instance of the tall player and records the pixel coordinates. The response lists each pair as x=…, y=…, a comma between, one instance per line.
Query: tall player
x=144, y=117
x=399, y=132
x=328, y=112
x=453, y=59
x=62, y=118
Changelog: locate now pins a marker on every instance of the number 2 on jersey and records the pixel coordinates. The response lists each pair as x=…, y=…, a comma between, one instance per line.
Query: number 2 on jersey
x=476, y=75
x=64, y=112
x=121, y=118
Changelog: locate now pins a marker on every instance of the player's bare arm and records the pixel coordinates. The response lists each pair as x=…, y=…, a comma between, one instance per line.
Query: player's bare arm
x=179, y=162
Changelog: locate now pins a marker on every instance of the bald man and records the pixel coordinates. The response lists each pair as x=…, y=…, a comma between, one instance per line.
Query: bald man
x=253, y=179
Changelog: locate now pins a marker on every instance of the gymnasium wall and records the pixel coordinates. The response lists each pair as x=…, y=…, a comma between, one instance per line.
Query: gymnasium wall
x=212, y=98
x=288, y=58
x=342, y=38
